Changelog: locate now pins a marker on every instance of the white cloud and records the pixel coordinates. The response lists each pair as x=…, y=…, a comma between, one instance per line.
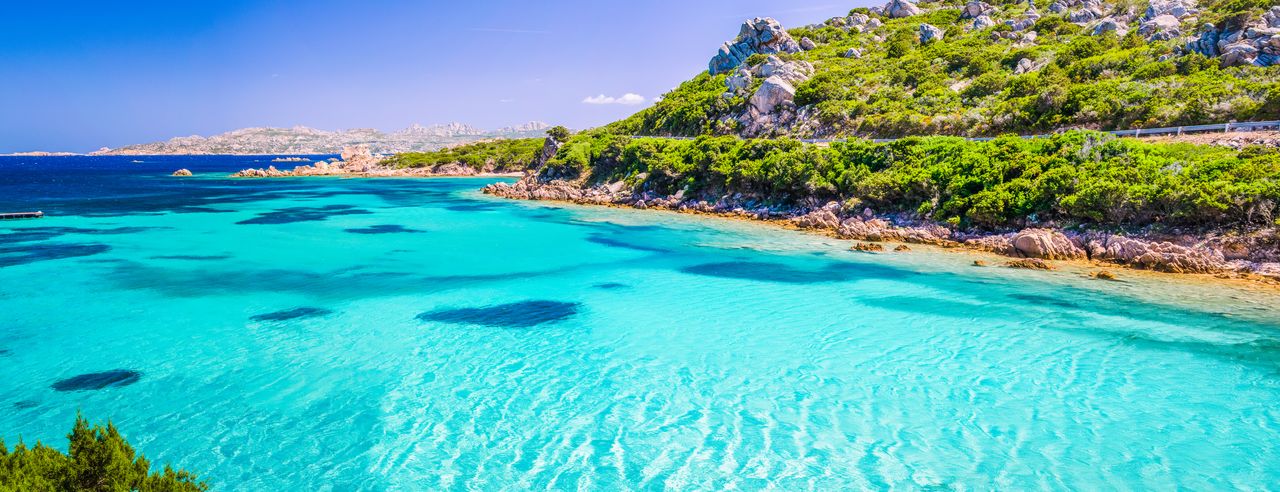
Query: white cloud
x=628, y=99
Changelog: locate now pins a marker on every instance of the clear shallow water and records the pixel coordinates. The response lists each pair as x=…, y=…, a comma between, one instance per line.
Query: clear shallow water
x=412, y=334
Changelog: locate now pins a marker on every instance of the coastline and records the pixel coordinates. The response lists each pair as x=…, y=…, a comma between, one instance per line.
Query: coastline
x=1057, y=248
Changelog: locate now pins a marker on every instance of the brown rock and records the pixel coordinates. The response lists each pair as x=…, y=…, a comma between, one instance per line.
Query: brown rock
x=902, y=248
x=979, y=263
x=1158, y=256
x=1029, y=264
x=1103, y=275
x=867, y=247
x=182, y=173
x=1046, y=244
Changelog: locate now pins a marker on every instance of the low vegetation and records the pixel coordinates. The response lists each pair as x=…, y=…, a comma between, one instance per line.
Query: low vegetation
x=98, y=459
x=1075, y=178
x=492, y=156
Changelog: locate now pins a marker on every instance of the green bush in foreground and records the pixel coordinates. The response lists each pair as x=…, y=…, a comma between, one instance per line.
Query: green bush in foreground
x=495, y=155
x=1078, y=177
x=98, y=459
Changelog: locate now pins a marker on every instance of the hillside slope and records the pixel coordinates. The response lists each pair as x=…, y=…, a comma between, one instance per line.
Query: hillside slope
x=310, y=141
x=979, y=69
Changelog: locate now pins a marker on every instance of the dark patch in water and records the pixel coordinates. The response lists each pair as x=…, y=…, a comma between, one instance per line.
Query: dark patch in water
x=473, y=207
x=777, y=272
x=203, y=210
x=615, y=243
x=30, y=254
x=24, y=404
x=303, y=214
x=384, y=229
x=35, y=234
x=517, y=315
x=611, y=286
x=622, y=228
x=1045, y=300
x=5, y=352
x=178, y=281
x=926, y=305
x=192, y=257
x=98, y=380
x=292, y=314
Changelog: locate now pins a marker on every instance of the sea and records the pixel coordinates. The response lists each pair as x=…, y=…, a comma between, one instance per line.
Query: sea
x=415, y=334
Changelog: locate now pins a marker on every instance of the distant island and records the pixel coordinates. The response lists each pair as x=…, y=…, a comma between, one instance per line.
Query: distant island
x=310, y=141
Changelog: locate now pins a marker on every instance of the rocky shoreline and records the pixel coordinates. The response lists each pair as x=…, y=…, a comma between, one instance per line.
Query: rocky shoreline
x=358, y=161
x=1254, y=256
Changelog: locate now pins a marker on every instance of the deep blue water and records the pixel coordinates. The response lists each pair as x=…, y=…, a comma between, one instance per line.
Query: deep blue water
x=393, y=334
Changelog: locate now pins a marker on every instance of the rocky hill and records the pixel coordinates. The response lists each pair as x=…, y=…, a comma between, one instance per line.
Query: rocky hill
x=981, y=69
x=303, y=140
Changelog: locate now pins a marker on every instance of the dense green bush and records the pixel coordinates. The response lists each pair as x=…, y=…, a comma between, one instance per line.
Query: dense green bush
x=1078, y=177
x=98, y=459
x=494, y=155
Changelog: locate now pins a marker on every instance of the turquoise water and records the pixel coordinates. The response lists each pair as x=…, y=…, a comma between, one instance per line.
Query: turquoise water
x=326, y=334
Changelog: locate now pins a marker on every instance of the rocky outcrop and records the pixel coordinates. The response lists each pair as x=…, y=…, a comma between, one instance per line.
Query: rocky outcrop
x=976, y=9
x=1027, y=65
x=1159, y=256
x=1080, y=11
x=182, y=173
x=773, y=103
x=929, y=32
x=1110, y=24
x=760, y=35
x=897, y=9
x=983, y=22
x=1178, y=9
x=773, y=92
x=356, y=160
x=1257, y=43
x=808, y=44
x=739, y=81
x=867, y=247
x=1160, y=28
x=1047, y=244
x=1024, y=21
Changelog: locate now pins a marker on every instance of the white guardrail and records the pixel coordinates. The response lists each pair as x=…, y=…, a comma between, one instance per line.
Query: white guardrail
x=1245, y=126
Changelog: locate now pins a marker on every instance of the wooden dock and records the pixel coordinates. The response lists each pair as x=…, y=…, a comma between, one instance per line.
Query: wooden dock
x=21, y=215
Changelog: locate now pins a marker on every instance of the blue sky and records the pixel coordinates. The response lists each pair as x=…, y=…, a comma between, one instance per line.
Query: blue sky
x=78, y=75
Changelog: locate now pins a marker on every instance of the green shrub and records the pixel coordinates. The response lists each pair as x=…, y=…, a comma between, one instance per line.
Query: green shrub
x=1074, y=177
x=495, y=155
x=98, y=459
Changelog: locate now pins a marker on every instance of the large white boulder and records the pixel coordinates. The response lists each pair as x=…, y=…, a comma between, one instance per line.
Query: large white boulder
x=897, y=9
x=773, y=92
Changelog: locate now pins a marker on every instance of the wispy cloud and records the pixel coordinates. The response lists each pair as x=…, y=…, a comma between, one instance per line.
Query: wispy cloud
x=628, y=99
x=505, y=101
x=508, y=31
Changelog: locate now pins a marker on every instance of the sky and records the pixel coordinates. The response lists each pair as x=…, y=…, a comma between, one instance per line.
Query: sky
x=79, y=75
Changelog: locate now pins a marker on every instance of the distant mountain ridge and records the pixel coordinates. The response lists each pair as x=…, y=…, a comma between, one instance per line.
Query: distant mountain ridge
x=305, y=140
